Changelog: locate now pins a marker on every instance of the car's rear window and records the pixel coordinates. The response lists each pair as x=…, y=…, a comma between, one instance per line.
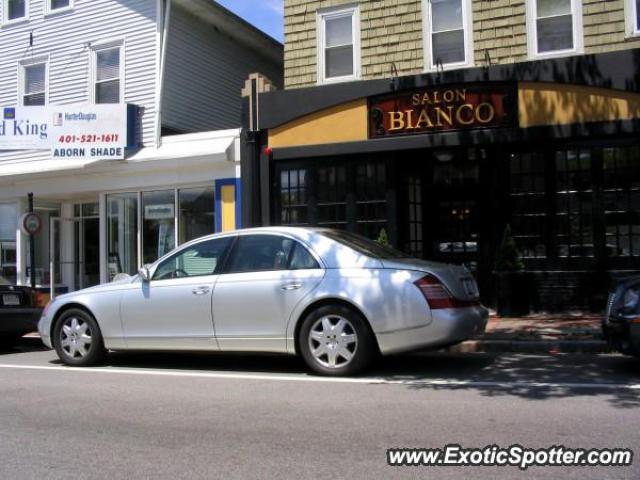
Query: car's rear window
x=363, y=245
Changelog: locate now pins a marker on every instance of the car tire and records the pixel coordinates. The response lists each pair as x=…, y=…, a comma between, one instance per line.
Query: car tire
x=77, y=339
x=334, y=340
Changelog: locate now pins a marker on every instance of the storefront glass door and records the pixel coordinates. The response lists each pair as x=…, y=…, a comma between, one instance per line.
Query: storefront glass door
x=453, y=198
x=74, y=244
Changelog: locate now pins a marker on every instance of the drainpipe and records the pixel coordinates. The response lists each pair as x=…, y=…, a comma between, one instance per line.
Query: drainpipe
x=164, y=21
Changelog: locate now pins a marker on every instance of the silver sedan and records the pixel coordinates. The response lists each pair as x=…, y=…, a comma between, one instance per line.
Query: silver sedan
x=335, y=298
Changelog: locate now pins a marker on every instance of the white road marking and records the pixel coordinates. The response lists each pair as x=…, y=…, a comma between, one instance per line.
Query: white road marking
x=309, y=378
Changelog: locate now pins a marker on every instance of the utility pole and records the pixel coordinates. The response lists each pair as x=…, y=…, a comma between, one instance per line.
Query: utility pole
x=32, y=249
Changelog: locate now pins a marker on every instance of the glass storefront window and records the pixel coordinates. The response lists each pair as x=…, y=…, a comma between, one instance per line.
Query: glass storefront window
x=158, y=224
x=622, y=201
x=197, y=213
x=8, y=226
x=528, y=203
x=122, y=234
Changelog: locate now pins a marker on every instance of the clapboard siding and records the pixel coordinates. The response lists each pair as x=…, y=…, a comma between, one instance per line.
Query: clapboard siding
x=204, y=75
x=65, y=39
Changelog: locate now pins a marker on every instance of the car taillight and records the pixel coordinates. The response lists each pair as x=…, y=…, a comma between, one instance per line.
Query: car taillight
x=38, y=299
x=438, y=295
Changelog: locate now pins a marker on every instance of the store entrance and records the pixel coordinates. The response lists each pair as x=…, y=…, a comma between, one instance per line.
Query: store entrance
x=75, y=247
x=440, y=214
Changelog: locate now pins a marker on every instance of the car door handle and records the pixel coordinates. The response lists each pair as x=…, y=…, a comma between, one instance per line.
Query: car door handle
x=200, y=290
x=291, y=286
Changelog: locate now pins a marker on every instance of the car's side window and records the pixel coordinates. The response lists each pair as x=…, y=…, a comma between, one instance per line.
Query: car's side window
x=200, y=259
x=301, y=259
x=260, y=253
x=264, y=253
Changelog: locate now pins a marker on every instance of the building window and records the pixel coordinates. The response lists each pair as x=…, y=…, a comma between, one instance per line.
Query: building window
x=34, y=84
x=414, y=244
x=622, y=201
x=339, y=45
x=447, y=33
x=332, y=196
x=197, y=213
x=8, y=228
x=107, y=75
x=554, y=27
x=293, y=197
x=158, y=224
x=632, y=13
x=371, y=199
x=56, y=6
x=574, y=209
x=528, y=203
x=122, y=234
x=15, y=10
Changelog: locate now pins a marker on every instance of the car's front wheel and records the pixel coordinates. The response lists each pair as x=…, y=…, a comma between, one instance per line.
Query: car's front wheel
x=77, y=339
x=335, y=340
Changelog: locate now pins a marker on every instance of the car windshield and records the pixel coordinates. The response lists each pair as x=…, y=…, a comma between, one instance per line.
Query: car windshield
x=363, y=245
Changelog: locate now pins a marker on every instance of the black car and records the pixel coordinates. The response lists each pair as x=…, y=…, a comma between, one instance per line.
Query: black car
x=20, y=310
x=621, y=324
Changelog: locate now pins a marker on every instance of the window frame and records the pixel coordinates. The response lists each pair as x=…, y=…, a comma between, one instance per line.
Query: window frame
x=220, y=266
x=631, y=12
x=321, y=17
x=427, y=32
x=532, y=32
x=5, y=10
x=93, y=74
x=22, y=77
x=49, y=10
x=296, y=242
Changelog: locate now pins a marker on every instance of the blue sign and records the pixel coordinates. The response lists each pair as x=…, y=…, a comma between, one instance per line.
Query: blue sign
x=9, y=113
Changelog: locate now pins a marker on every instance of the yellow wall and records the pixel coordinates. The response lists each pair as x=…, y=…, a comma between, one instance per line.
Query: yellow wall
x=559, y=104
x=228, y=203
x=344, y=123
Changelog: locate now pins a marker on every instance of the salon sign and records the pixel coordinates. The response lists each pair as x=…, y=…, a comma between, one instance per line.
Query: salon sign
x=440, y=109
x=92, y=132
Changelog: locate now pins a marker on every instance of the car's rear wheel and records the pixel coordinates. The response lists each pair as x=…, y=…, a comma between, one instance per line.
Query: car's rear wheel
x=335, y=340
x=77, y=339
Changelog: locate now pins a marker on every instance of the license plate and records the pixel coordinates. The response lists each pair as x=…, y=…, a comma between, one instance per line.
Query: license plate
x=10, y=300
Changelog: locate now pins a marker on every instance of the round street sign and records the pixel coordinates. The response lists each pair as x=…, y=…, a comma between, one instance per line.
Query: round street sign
x=30, y=223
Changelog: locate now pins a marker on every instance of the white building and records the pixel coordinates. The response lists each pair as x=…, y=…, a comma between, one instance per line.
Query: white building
x=182, y=64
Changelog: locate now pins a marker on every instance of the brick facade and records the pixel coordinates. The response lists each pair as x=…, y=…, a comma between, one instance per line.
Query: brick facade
x=391, y=31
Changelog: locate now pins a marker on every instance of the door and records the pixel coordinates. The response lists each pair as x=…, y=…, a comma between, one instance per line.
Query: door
x=267, y=275
x=454, y=224
x=173, y=310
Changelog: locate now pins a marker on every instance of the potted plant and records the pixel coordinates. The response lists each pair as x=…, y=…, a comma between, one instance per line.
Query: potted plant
x=513, y=289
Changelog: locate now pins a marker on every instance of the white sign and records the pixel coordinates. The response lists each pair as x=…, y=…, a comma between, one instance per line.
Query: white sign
x=159, y=212
x=93, y=132
x=25, y=128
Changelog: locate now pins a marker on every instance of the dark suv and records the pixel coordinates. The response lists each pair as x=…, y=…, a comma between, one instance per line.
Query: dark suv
x=20, y=310
x=621, y=324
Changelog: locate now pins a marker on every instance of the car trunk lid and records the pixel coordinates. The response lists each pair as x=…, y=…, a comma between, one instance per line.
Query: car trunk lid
x=12, y=296
x=457, y=278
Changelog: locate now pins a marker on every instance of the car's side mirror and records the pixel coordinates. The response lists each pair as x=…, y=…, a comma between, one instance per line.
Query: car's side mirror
x=145, y=274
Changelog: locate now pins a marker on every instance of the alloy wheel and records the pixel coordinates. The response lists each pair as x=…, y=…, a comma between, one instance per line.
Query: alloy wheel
x=75, y=337
x=333, y=341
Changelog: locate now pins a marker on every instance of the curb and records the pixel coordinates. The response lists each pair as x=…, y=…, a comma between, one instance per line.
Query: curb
x=532, y=346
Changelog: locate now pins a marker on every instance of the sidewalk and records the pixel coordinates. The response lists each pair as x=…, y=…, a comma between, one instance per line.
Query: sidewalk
x=540, y=333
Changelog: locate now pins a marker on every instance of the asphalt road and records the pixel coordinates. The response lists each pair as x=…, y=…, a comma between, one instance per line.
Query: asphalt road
x=213, y=416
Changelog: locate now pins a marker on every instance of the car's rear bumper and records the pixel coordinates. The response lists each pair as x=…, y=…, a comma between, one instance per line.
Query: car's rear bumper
x=448, y=327
x=19, y=320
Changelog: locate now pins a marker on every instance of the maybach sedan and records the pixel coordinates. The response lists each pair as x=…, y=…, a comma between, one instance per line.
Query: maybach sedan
x=335, y=298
